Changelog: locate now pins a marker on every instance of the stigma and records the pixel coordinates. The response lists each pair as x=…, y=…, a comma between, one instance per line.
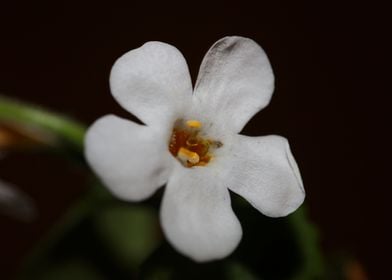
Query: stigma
x=188, y=146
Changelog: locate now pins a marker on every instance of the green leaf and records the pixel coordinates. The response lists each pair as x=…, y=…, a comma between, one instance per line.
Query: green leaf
x=237, y=271
x=71, y=269
x=306, y=234
x=64, y=129
x=129, y=232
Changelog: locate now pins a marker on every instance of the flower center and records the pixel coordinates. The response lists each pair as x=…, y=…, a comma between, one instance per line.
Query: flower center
x=189, y=147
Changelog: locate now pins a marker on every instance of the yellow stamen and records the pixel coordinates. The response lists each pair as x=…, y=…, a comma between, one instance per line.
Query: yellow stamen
x=186, y=155
x=193, y=124
x=190, y=148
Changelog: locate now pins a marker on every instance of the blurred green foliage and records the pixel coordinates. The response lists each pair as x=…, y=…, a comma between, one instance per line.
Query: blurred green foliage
x=64, y=132
x=123, y=241
x=130, y=233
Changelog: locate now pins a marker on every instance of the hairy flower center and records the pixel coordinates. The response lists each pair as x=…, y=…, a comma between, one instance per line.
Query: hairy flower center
x=188, y=146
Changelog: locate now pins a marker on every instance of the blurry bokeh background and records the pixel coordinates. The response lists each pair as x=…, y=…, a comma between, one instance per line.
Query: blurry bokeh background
x=330, y=101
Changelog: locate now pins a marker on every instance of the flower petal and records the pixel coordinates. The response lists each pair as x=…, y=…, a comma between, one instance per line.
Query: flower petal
x=196, y=214
x=131, y=159
x=265, y=173
x=152, y=82
x=235, y=82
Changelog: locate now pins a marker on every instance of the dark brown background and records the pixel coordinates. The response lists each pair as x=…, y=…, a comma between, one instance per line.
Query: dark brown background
x=330, y=100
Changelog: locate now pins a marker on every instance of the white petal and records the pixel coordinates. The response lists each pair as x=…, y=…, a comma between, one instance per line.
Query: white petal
x=152, y=82
x=235, y=82
x=196, y=214
x=131, y=159
x=264, y=172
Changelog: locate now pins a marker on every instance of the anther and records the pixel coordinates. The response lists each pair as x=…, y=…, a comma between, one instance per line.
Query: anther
x=193, y=124
x=188, y=156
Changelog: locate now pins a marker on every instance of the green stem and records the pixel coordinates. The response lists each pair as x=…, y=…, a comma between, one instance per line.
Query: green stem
x=308, y=239
x=60, y=126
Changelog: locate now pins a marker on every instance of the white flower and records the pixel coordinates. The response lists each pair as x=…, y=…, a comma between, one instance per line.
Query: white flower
x=191, y=143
